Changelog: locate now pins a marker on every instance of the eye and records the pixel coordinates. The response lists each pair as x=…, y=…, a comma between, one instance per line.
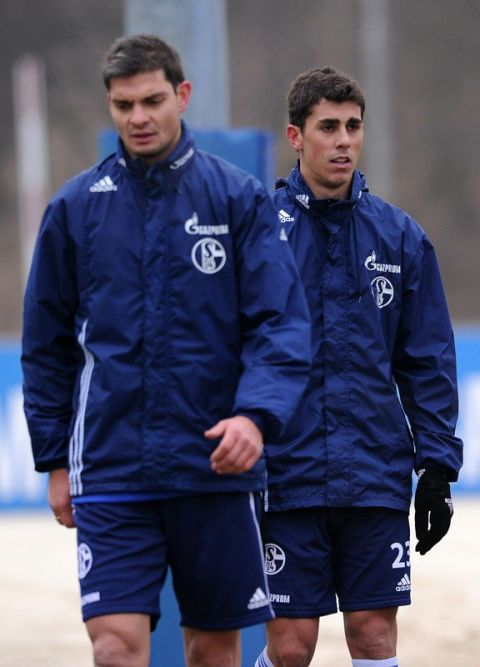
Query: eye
x=122, y=106
x=154, y=101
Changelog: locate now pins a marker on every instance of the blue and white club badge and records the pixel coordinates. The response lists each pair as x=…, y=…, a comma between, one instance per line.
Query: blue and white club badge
x=382, y=290
x=208, y=255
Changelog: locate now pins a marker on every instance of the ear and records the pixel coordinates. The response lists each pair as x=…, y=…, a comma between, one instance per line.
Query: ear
x=183, y=94
x=295, y=137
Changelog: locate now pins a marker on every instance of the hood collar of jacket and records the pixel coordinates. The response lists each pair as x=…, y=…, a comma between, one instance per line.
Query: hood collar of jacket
x=170, y=167
x=334, y=210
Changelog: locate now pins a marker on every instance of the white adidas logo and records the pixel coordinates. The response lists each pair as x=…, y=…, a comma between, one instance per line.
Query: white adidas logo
x=258, y=599
x=404, y=584
x=284, y=216
x=104, y=185
x=304, y=200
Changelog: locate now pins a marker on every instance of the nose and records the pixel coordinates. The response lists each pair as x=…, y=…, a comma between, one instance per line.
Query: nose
x=343, y=137
x=138, y=115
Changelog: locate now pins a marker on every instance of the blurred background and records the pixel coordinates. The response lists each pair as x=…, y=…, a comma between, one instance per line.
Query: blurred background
x=417, y=61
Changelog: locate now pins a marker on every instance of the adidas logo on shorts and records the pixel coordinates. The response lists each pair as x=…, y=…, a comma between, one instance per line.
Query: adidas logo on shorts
x=404, y=584
x=258, y=599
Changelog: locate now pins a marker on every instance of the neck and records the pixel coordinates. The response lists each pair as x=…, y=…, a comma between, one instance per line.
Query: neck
x=325, y=190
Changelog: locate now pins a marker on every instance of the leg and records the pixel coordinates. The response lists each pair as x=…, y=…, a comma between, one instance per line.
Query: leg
x=120, y=640
x=298, y=562
x=291, y=641
x=122, y=566
x=371, y=634
x=212, y=648
x=373, y=579
x=225, y=587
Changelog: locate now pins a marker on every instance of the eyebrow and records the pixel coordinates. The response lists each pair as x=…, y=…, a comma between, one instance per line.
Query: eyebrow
x=149, y=98
x=336, y=121
x=154, y=96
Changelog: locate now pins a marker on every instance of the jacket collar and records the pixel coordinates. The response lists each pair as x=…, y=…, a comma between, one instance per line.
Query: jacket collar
x=334, y=210
x=169, y=168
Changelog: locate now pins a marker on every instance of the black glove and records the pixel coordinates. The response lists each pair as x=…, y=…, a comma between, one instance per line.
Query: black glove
x=432, y=501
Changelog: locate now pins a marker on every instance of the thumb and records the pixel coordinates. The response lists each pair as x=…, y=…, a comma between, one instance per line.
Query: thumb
x=421, y=523
x=216, y=431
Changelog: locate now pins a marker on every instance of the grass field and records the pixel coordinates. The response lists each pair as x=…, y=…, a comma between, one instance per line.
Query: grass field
x=41, y=624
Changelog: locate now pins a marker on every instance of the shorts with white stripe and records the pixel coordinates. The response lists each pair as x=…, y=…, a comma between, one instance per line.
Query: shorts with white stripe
x=210, y=541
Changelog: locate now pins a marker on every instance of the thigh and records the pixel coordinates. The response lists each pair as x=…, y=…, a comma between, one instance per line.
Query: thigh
x=298, y=563
x=121, y=558
x=215, y=554
x=371, y=557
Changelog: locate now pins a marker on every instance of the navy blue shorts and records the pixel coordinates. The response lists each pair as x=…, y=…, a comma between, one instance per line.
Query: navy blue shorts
x=211, y=542
x=316, y=556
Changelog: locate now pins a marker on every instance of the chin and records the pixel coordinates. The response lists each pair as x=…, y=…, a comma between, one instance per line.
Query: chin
x=146, y=153
x=144, y=150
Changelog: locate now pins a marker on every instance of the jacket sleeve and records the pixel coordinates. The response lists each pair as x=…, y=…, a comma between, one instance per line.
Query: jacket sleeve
x=276, y=354
x=425, y=364
x=49, y=356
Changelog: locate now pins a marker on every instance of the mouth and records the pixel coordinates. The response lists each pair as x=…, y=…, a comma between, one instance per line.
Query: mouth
x=141, y=137
x=341, y=160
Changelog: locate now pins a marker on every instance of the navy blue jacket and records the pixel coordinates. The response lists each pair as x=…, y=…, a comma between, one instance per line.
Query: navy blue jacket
x=383, y=348
x=160, y=300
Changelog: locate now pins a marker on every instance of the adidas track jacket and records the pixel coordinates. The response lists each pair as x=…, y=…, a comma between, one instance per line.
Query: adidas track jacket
x=382, y=396
x=160, y=300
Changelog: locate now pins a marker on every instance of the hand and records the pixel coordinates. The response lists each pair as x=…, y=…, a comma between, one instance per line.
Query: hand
x=240, y=447
x=59, y=497
x=433, y=498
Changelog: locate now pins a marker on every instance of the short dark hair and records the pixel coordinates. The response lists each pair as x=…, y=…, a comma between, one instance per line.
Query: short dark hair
x=316, y=84
x=135, y=54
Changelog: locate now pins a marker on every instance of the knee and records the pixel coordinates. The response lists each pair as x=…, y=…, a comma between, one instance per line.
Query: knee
x=196, y=657
x=199, y=655
x=291, y=642
x=214, y=649
x=371, y=635
x=292, y=653
x=108, y=650
x=113, y=650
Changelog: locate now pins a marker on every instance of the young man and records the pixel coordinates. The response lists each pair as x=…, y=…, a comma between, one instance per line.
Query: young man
x=166, y=332
x=339, y=478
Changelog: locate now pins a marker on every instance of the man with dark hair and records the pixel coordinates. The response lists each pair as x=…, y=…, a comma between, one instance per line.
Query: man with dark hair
x=144, y=53
x=381, y=401
x=166, y=333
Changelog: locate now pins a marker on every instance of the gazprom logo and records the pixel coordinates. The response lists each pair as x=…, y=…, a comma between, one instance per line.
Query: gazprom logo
x=192, y=226
x=372, y=265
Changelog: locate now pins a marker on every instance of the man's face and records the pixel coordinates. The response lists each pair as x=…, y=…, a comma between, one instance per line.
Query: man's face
x=146, y=110
x=329, y=147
